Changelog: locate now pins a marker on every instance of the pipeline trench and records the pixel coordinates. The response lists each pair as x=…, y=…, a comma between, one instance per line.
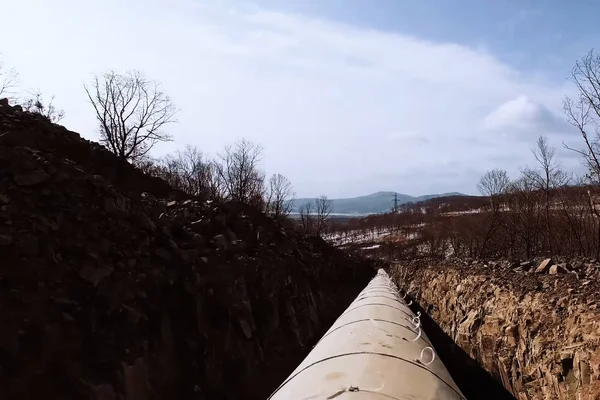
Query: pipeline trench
x=508, y=334
x=381, y=348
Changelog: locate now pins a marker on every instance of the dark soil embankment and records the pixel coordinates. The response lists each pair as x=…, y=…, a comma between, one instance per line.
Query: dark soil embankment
x=535, y=333
x=113, y=290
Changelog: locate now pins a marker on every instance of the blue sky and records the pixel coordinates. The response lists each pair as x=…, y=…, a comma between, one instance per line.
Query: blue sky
x=526, y=32
x=529, y=34
x=346, y=97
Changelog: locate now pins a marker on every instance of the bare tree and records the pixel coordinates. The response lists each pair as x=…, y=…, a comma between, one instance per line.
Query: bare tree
x=524, y=200
x=193, y=171
x=35, y=104
x=151, y=166
x=551, y=175
x=307, y=218
x=189, y=171
x=132, y=111
x=583, y=112
x=548, y=178
x=322, y=210
x=239, y=172
x=8, y=80
x=279, y=197
x=492, y=184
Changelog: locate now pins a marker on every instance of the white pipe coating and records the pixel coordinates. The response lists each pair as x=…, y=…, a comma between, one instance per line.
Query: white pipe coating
x=375, y=350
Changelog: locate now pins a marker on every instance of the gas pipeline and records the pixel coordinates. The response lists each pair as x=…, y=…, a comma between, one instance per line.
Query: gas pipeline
x=375, y=350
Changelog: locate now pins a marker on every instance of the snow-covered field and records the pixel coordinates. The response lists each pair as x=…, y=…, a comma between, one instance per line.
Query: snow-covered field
x=466, y=212
x=371, y=236
x=375, y=246
x=357, y=236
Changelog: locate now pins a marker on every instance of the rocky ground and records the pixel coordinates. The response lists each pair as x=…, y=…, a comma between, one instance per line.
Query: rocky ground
x=535, y=325
x=115, y=286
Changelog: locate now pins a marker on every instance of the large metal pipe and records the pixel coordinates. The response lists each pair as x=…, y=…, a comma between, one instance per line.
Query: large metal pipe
x=375, y=350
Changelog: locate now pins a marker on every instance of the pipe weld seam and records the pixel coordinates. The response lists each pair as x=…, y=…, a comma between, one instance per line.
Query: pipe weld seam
x=377, y=304
x=374, y=319
x=367, y=353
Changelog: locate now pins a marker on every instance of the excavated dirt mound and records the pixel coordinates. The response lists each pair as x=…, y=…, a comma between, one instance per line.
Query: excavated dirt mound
x=34, y=131
x=117, y=287
x=538, y=334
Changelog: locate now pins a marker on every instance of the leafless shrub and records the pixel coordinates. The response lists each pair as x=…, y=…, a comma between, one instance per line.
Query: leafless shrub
x=8, y=81
x=192, y=172
x=35, y=104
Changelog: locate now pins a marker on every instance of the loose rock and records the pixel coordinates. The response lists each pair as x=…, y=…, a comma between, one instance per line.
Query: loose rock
x=221, y=241
x=31, y=178
x=544, y=266
x=5, y=240
x=95, y=275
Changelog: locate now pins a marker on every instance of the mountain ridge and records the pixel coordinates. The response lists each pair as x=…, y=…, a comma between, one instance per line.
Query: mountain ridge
x=373, y=203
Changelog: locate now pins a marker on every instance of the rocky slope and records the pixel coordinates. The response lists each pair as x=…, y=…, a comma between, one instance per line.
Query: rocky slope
x=117, y=287
x=537, y=333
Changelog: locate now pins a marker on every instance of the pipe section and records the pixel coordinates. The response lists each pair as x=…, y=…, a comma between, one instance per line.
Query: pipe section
x=375, y=350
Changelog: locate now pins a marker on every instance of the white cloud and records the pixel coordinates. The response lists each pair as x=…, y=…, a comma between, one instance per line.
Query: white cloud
x=524, y=115
x=323, y=98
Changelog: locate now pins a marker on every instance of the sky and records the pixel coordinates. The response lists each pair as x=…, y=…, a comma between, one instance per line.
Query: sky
x=347, y=97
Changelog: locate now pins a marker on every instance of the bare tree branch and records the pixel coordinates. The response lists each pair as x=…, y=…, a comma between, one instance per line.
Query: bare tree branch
x=584, y=112
x=307, y=218
x=322, y=209
x=35, y=104
x=238, y=170
x=546, y=179
x=8, y=81
x=279, y=196
x=492, y=184
x=131, y=111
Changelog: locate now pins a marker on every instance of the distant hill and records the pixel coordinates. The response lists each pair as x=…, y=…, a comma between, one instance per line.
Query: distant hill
x=374, y=203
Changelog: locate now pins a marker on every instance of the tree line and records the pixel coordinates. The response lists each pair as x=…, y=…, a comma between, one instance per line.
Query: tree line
x=548, y=210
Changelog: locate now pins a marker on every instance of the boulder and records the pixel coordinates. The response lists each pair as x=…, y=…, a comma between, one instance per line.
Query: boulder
x=5, y=240
x=163, y=254
x=28, y=246
x=145, y=222
x=95, y=275
x=109, y=206
x=198, y=241
x=544, y=266
x=31, y=178
x=557, y=268
x=221, y=241
x=526, y=264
